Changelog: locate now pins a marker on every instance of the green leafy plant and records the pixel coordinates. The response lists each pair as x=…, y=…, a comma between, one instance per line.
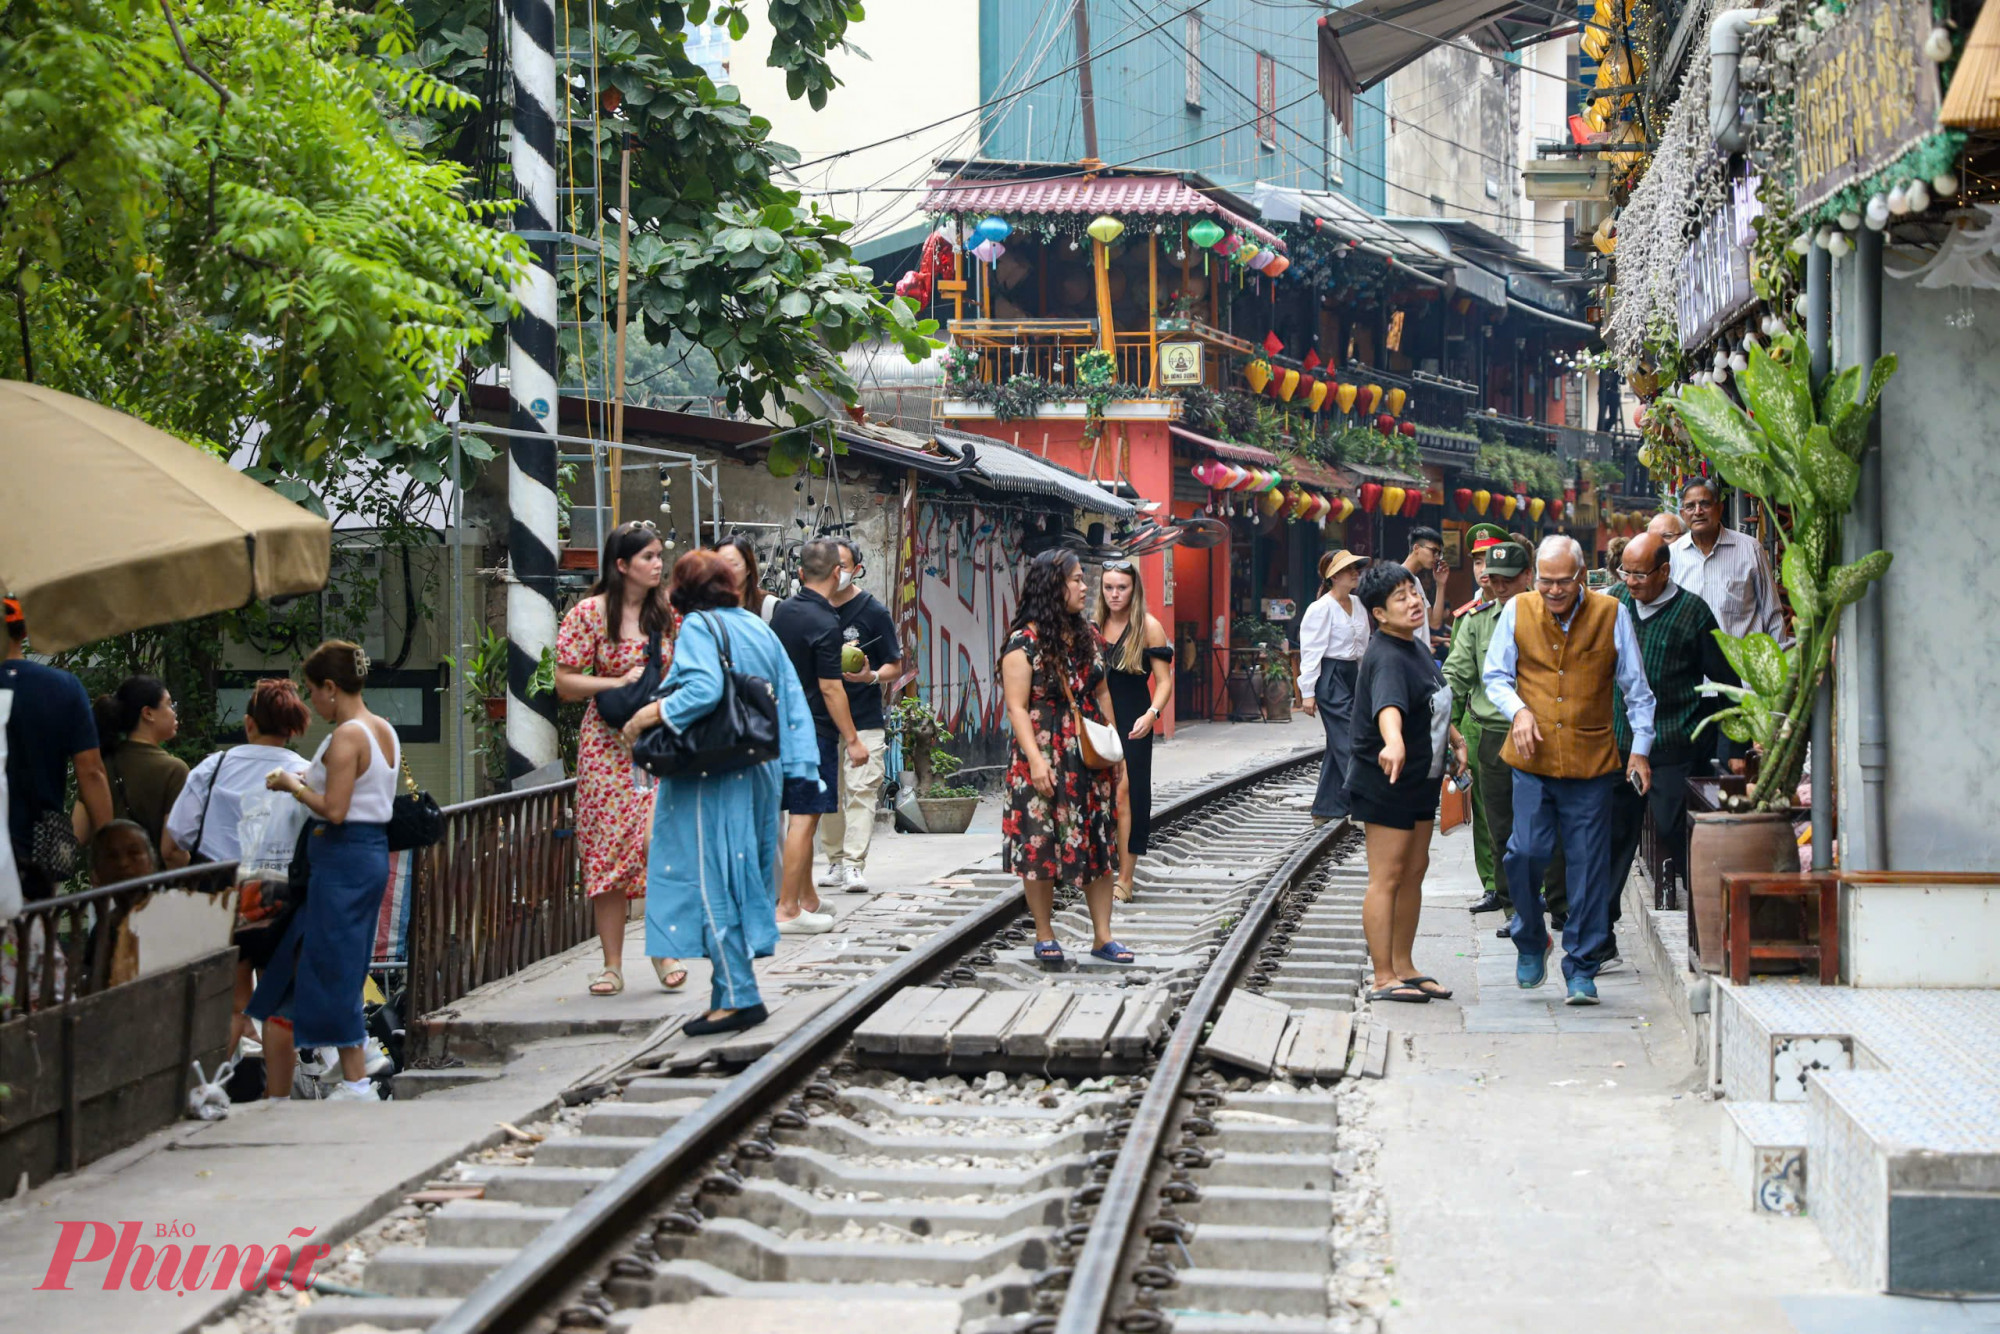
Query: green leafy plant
x=485, y=668
x=1799, y=449
x=923, y=734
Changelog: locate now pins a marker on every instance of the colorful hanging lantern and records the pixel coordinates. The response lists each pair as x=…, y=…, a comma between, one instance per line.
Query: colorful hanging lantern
x=988, y=252
x=1371, y=398
x=1521, y=490
x=1412, y=503
x=1106, y=229
x=1392, y=500
x=1395, y=399
x=1407, y=428
x=1462, y=498
x=1228, y=477
x=1205, y=233
x=1246, y=255
x=1385, y=424
x=1270, y=502
x=1481, y=499
x=1316, y=395
x=1343, y=396
x=1261, y=261
x=1277, y=383
x=1278, y=264
x=1258, y=373
x=1207, y=473
x=1345, y=509
x=1535, y=507
x=1555, y=510
x=1290, y=385
x=1569, y=492
x=1297, y=503
x=1371, y=496
x=1228, y=246
x=992, y=229
x=1507, y=506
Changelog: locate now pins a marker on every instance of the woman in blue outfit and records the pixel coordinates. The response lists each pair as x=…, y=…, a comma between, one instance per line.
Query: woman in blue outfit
x=712, y=871
x=310, y=993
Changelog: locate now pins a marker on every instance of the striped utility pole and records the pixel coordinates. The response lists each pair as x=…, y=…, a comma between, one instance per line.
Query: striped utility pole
x=531, y=373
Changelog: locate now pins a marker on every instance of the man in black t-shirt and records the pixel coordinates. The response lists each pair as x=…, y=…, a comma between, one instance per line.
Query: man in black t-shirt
x=809, y=628
x=865, y=624
x=46, y=714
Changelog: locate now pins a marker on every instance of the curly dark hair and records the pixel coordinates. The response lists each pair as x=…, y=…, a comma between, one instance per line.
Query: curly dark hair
x=1045, y=605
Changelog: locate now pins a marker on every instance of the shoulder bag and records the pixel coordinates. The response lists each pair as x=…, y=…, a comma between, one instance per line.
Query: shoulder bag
x=617, y=705
x=414, y=818
x=741, y=730
x=1099, y=742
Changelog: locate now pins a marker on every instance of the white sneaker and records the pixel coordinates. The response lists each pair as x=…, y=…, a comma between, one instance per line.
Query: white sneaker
x=833, y=877
x=360, y=1091
x=376, y=1059
x=807, y=924
x=856, y=882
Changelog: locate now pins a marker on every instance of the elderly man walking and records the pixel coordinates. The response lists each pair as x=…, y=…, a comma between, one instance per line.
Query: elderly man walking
x=1558, y=654
x=1677, y=644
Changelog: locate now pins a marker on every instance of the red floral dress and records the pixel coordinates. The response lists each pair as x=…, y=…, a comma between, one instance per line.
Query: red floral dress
x=614, y=820
x=1072, y=837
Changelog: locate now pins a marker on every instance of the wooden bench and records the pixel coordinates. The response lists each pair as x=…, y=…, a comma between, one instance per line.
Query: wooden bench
x=1740, y=889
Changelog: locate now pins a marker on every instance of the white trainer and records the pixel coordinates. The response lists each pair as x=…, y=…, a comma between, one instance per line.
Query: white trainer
x=856, y=882
x=833, y=877
x=807, y=924
x=360, y=1091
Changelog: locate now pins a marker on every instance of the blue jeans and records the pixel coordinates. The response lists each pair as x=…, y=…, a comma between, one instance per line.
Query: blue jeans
x=1578, y=812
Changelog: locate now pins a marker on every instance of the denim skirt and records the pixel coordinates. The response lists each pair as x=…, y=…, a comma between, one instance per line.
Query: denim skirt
x=321, y=963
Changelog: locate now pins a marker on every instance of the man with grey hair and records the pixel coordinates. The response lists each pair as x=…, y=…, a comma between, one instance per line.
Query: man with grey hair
x=1558, y=653
x=809, y=628
x=1667, y=526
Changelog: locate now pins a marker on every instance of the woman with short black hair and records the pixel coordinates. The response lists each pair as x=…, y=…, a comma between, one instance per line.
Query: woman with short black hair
x=1403, y=740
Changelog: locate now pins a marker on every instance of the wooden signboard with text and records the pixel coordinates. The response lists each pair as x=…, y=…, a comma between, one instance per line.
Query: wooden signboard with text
x=1865, y=96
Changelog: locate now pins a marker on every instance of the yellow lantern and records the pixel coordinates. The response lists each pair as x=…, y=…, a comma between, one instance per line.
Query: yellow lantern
x=1289, y=385
x=1392, y=500
x=1271, y=502
x=1316, y=398
x=1258, y=373
x=1105, y=229
x=1396, y=399
x=1344, y=396
x=1481, y=499
x=1507, y=506
x=1345, y=508
x=1299, y=503
x=1535, y=507
x=1371, y=398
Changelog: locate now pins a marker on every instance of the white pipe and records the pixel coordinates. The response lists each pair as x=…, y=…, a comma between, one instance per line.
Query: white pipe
x=1725, y=48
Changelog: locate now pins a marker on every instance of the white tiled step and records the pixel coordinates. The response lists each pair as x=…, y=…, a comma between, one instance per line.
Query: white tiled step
x=1764, y=1148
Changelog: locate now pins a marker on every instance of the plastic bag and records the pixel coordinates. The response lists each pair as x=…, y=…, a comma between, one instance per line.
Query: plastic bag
x=267, y=834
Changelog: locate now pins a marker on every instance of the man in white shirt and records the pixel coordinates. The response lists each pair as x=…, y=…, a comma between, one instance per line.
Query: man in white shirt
x=1427, y=557
x=1724, y=568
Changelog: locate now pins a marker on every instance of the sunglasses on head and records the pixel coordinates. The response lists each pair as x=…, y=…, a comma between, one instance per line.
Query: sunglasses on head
x=1118, y=567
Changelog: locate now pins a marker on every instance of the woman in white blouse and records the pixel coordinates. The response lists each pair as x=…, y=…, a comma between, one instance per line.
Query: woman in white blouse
x=1332, y=637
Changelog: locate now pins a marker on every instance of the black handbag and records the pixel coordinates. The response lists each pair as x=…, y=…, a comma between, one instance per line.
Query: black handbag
x=414, y=818
x=617, y=705
x=740, y=731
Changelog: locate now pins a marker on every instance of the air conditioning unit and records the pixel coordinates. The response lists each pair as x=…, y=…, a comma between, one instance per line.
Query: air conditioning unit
x=1568, y=178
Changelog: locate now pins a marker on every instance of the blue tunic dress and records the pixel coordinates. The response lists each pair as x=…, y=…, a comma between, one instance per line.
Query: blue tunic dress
x=712, y=870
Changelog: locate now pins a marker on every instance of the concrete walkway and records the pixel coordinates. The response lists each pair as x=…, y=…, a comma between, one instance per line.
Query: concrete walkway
x=333, y=1167
x=1549, y=1167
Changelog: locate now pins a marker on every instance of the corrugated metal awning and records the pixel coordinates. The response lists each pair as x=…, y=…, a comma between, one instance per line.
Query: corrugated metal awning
x=1361, y=45
x=1222, y=449
x=1004, y=468
x=1163, y=196
x=1375, y=472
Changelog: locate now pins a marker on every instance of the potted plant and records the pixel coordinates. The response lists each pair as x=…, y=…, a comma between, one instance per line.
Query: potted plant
x=947, y=808
x=485, y=676
x=1798, y=448
x=1277, y=686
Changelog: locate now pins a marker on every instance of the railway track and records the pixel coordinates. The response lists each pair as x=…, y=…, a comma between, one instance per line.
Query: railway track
x=952, y=1138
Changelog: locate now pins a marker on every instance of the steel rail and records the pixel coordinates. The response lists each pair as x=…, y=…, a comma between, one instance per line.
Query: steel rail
x=1095, y=1279
x=571, y=1250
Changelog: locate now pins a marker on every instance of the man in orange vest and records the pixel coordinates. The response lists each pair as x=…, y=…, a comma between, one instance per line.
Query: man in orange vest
x=1556, y=654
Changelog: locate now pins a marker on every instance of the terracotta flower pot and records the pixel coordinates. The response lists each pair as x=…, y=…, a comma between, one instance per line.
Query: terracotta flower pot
x=496, y=708
x=1719, y=842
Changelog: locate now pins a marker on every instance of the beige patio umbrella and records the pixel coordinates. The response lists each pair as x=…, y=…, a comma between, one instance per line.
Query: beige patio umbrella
x=108, y=524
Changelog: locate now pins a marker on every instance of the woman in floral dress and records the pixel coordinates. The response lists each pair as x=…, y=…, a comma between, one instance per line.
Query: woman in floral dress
x=597, y=651
x=1061, y=823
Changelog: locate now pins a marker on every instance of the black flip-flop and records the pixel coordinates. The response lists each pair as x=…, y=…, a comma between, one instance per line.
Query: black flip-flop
x=1401, y=991
x=1418, y=982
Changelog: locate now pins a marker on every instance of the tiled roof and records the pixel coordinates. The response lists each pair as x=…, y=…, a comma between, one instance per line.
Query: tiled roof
x=1163, y=195
x=1222, y=449
x=1308, y=473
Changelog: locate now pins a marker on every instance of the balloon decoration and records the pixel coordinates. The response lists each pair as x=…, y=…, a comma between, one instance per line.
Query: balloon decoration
x=1507, y=506
x=1316, y=395
x=1407, y=428
x=1481, y=499
x=1371, y=398
x=1343, y=510
x=1257, y=373
x=1462, y=498
x=993, y=229
x=988, y=252
x=1343, y=396
x=1205, y=233
x=1278, y=264
x=1535, y=507
x=1392, y=500
x=1289, y=386
x=1371, y=496
x=1395, y=399
x=1105, y=229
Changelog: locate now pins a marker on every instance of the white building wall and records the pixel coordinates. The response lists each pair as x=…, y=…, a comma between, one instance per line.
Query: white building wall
x=1452, y=140
x=1544, y=120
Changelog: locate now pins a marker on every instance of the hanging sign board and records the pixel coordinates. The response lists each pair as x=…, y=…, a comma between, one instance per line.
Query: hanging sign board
x=1865, y=96
x=1714, y=283
x=1180, y=363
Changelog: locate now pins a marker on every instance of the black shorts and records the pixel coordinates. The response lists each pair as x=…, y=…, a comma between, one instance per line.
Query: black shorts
x=1404, y=806
x=802, y=796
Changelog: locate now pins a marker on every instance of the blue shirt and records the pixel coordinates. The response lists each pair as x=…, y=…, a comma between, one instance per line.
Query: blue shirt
x=1503, y=660
x=49, y=723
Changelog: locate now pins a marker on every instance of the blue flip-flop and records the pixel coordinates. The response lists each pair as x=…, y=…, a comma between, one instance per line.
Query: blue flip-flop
x=1048, y=951
x=1112, y=952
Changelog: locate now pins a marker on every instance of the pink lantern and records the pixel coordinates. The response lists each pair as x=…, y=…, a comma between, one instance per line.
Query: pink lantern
x=988, y=251
x=1262, y=259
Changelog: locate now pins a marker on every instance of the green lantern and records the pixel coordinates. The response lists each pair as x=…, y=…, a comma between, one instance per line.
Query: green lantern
x=1205, y=233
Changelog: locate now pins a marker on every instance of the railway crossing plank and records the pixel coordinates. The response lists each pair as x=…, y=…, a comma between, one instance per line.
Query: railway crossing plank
x=786, y=1020
x=1249, y=1031
x=880, y=1030
x=1037, y=1022
x=1088, y=1025
x=1316, y=1044
x=1143, y=1020
x=929, y=1034
x=980, y=1032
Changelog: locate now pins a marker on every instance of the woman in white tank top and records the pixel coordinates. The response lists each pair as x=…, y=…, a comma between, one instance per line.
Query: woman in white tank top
x=310, y=995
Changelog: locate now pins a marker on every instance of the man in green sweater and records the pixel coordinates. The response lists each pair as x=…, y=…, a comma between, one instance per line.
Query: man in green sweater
x=1677, y=641
x=1509, y=571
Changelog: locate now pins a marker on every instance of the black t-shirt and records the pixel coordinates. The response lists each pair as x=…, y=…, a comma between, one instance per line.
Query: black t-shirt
x=49, y=721
x=866, y=623
x=1399, y=673
x=808, y=627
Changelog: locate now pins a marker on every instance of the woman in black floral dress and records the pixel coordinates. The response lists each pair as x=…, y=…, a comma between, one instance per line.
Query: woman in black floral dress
x=1061, y=823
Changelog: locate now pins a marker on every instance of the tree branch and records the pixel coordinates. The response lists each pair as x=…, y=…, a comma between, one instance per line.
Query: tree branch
x=188, y=60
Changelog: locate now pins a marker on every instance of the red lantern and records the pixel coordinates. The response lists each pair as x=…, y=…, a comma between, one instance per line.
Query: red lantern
x=1385, y=424
x=1556, y=508
x=1569, y=492
x=1407, y=428
x=1462, y=498
x=1413, y=503
x=1371, y=496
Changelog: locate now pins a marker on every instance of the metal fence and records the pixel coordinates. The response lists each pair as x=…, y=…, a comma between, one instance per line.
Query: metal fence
x=501, y=890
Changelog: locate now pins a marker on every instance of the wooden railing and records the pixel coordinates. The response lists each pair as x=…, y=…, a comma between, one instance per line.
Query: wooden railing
x=1050, y=349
